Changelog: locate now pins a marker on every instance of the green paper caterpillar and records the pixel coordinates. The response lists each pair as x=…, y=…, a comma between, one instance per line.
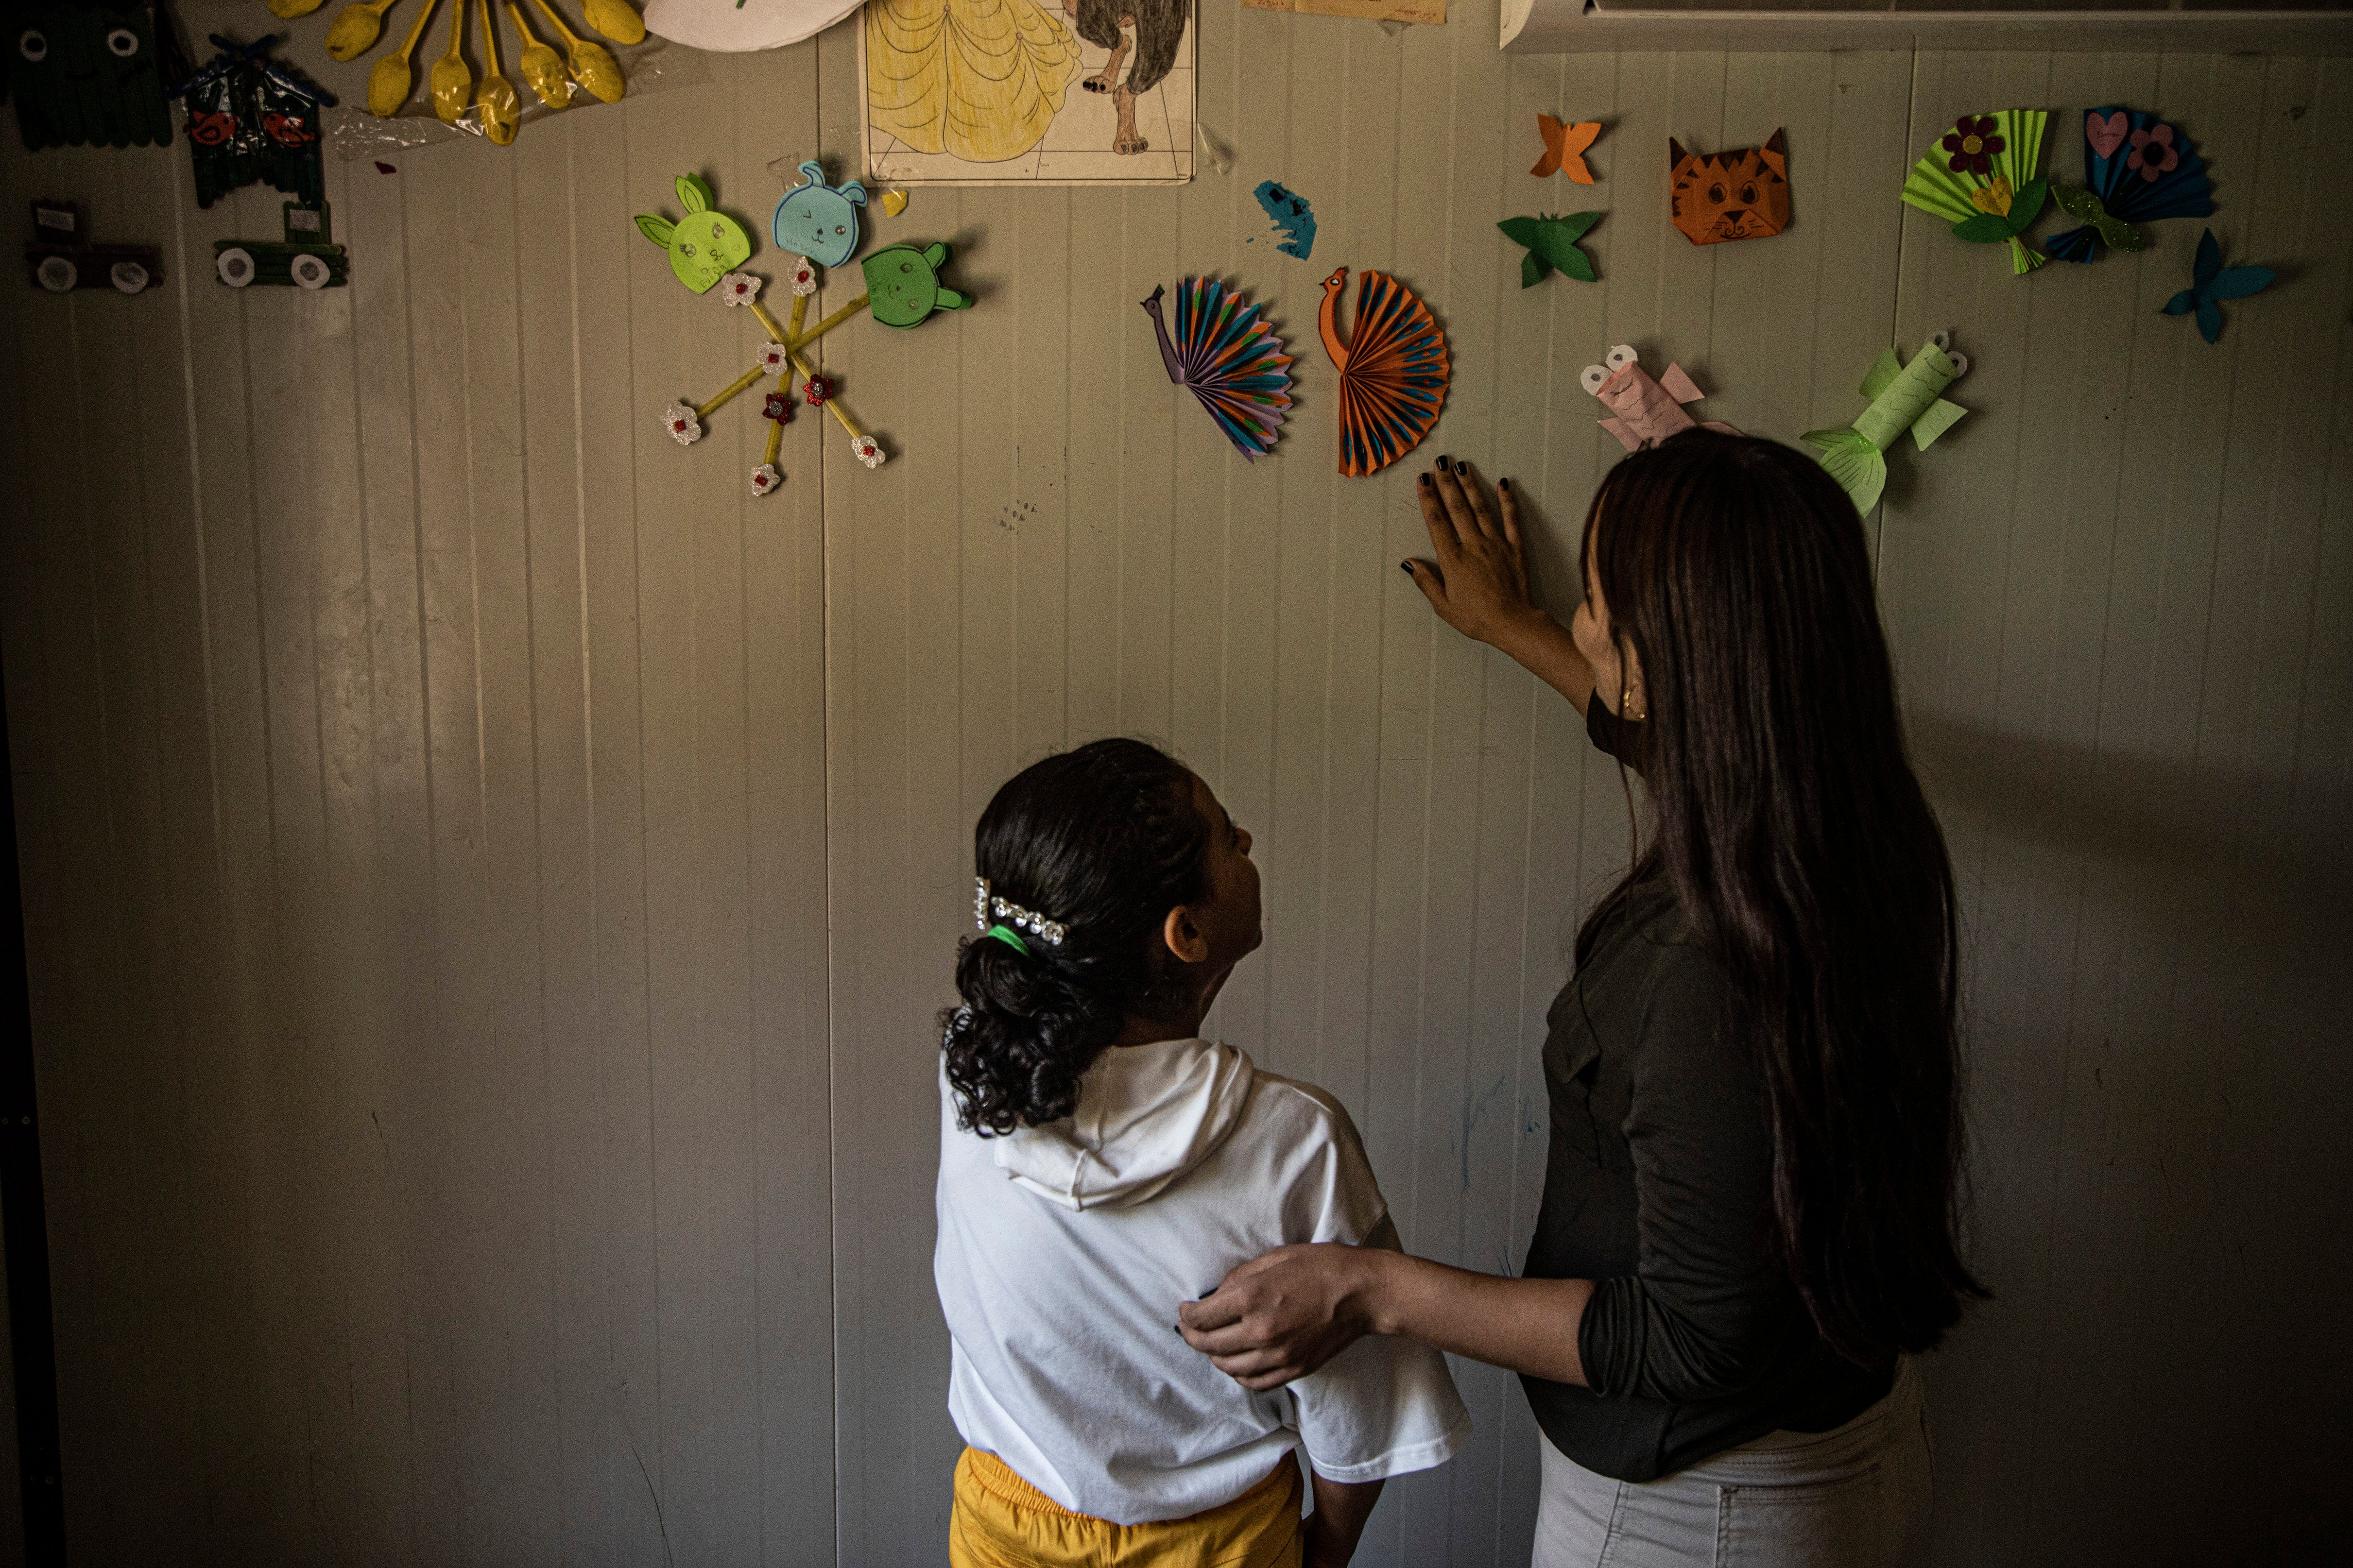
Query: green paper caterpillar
x=1903, y=397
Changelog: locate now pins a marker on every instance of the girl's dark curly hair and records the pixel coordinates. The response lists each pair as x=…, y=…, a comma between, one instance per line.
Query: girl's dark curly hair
x=1106, y=840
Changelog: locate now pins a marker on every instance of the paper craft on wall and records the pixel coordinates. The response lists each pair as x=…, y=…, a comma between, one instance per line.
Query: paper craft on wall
x=62, y=258
x=86, y=74
x=254, y=120
x=1393, y=370
x=1565, y=148
x=307, y=257
x=1981, y=175
x=818, y=220
x=1224, y=352
x=902, y=289
x=2136, y=168
x=1643, y=410
x=1552, y=244
x=737, y=26
x=1903, y=397
x=989, y=92
x=1293, y=219
x=705, y=245
x=1719, y=196
x=2210, y=283
x=1431, y=12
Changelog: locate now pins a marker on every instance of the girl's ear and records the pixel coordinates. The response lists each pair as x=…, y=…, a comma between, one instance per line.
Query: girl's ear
x=1184, y=937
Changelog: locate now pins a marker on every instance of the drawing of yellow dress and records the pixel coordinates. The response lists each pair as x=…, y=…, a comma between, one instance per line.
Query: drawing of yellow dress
x=980, y=79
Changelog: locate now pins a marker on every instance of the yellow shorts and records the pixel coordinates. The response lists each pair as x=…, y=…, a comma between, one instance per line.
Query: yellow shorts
x=1002, y=1521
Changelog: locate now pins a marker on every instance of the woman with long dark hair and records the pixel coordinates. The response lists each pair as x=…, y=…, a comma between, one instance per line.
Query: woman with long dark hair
x=1750, y=1202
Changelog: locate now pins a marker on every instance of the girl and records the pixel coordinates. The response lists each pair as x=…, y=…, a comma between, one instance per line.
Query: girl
x=1099, y=1165
x=1748, y=1227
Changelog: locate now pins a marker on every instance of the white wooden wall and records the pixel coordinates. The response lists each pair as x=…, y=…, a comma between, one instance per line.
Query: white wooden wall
x=490, y=880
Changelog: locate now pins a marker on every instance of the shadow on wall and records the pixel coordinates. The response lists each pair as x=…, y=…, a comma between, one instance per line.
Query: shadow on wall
x=2159, y=1029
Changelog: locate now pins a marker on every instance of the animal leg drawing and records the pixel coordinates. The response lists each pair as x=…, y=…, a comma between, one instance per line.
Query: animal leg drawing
x=1159, y=26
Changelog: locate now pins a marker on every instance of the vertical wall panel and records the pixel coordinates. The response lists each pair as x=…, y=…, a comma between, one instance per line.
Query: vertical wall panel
x=421, y=763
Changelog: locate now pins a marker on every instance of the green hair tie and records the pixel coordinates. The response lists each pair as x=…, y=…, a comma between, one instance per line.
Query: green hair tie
x=1009, y=937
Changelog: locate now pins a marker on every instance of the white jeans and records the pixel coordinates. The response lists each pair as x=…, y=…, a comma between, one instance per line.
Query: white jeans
x=1856, y=1496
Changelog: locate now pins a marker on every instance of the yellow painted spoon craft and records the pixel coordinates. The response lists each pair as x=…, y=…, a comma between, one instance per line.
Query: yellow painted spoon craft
x=595, y=66
x=389, y=82
x=354, y=33
x=542, y=66
x=291, y=9
x=616, y=19
x=453, y=84
x=501, y=116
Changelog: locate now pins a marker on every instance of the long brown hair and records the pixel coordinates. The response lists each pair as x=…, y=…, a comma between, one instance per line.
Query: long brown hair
x=1805, y=855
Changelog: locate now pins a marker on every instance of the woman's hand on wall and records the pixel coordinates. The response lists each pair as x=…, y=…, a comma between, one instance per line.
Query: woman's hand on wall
x=1480, y=582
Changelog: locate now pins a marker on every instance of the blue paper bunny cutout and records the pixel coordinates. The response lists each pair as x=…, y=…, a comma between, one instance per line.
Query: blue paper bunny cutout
x=818, y=220
x=2210, y=281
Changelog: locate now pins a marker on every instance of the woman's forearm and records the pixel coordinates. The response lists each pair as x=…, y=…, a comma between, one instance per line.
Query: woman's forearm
x=1543, y=646
x=1521, y=1325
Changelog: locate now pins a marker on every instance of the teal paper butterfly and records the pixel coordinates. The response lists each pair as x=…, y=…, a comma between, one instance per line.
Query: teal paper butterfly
x=1551, y=243
x=2210, y=281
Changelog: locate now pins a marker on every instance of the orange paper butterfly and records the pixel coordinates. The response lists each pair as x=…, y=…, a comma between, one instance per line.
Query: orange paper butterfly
x=1563, y=143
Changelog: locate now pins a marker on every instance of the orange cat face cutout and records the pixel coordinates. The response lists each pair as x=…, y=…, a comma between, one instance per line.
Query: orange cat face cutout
x=1717, y=196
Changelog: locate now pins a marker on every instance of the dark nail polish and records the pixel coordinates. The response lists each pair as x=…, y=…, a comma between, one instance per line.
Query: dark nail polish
x=1406, y=567
x=1462, y=468
x=1502, y=484
x=1443, y=462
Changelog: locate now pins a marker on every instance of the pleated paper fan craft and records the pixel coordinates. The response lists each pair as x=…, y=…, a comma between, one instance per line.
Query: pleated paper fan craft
x=1393, y=376
x=1225, y=354
x=2136, y=168
x=1981, y=175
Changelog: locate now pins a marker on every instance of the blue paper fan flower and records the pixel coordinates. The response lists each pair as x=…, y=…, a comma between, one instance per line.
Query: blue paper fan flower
x=1230, y=359
x=2210, y=281
x=2136, y=168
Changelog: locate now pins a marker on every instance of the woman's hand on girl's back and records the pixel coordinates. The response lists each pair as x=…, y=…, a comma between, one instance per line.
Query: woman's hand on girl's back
x=1285, y=1313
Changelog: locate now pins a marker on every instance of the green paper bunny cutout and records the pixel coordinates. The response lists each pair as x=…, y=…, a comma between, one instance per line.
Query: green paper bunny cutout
x=705, y=245
x=903, y=284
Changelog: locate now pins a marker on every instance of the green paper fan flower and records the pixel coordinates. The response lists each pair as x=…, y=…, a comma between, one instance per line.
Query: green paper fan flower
x=1982, y=177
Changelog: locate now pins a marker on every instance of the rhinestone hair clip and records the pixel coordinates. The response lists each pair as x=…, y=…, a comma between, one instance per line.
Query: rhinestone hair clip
x=984, y=906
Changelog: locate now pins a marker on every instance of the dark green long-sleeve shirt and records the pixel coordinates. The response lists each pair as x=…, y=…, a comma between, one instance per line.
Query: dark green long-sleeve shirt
x=1659, y=1188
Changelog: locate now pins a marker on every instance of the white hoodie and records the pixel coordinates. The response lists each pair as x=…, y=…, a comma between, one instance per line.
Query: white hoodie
x=1065, y=1249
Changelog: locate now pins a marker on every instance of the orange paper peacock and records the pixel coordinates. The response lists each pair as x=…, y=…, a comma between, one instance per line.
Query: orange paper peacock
x=1392, y=377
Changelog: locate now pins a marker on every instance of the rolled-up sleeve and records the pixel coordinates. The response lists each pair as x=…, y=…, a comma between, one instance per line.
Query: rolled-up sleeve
x=1703, y=1315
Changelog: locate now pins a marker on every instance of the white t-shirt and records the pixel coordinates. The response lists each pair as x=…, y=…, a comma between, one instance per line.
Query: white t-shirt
x=1065, y=1249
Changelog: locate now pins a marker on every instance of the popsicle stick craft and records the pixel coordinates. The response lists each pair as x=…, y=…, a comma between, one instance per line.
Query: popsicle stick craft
x=902, y=289
x=2210, y=283
x=1981, y=177
x=254, y=120
x=1903, y=397
x=2136, y=170
x=1393, y=371
x=1714, y=198
x=62, y=258
x=90, y=72
x=1565, y=148
x=1225, y=355
x=1642, y=411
